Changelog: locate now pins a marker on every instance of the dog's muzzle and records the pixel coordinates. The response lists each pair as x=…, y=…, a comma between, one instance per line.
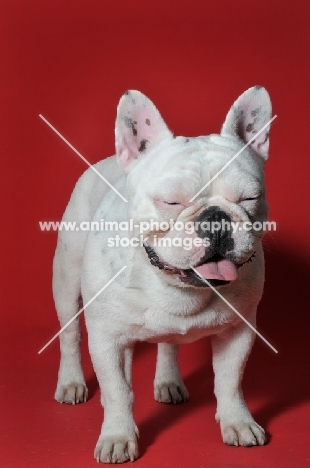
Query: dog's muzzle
x=215, y=266
x=188, y=275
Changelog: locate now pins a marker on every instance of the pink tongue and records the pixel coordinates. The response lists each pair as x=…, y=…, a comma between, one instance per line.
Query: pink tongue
x=222, y=270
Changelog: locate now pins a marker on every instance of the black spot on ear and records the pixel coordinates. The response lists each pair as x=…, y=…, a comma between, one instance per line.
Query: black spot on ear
x=250, y=127
x=129, y=123
x=128, y=93
x=258, y=87
x=255, y=112
x=187, y=140
x=142, y=147
x=148, y=122
x=239, y=113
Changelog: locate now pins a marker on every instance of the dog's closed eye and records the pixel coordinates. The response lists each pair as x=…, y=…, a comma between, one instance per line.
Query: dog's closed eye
x=250, y=203
x=252, y=198
x=169, y=205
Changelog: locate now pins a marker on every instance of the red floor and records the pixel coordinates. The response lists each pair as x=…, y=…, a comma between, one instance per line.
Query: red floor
x=71, y=61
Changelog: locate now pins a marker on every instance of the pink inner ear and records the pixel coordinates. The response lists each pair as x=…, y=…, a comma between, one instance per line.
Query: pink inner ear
x=144, y=119
x=123, y=155
x=139, y=126
x=252, y=123
x=260, y=146
x=145, y=126
x=248, y=115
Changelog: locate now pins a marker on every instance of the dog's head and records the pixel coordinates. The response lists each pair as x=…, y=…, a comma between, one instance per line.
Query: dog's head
x=200, y=201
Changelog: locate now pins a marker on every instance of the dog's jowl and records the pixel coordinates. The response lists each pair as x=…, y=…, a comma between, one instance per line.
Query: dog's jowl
x=175, y=241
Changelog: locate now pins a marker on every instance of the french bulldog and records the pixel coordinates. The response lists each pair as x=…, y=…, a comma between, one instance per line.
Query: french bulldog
x=167, y=292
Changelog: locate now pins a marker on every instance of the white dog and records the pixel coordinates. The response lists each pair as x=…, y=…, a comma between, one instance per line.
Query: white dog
x=159, y=297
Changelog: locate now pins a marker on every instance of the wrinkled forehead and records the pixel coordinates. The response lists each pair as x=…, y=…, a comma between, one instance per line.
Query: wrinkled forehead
x=189, y=153
x=186, y=164
x=213, y=150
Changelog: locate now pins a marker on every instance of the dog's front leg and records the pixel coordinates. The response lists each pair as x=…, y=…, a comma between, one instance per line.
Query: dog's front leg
x=71, y=386
x=118, y=438
x=230, y=352
x=168, y=384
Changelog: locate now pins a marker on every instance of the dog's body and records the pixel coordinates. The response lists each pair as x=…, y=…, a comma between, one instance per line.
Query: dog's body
x=164, y=301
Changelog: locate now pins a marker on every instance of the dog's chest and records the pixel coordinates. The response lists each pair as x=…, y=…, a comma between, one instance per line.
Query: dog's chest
x=162, y=325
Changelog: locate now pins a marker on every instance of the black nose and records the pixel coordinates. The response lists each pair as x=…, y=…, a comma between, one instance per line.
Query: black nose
x=215, y=225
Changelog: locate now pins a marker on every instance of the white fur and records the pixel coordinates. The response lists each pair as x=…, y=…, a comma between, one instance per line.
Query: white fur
x=145, y=303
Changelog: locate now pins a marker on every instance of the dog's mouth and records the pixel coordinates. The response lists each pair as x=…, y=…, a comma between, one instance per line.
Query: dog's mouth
x=217, y=270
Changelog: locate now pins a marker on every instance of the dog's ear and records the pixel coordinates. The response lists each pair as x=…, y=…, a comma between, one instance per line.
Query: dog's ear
x=139, y=127
x=247, y=116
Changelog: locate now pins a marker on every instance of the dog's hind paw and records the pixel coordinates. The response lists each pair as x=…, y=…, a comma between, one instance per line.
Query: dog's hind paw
x=170, y=392
x=72, y=393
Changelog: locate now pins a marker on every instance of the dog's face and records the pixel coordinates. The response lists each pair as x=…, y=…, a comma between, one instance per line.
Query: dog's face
x=198, y=204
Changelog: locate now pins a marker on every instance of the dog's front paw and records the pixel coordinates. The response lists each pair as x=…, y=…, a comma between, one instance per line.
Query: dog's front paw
x=171, y=392
x=118, y=449
x=243, y=433
x=72, y=393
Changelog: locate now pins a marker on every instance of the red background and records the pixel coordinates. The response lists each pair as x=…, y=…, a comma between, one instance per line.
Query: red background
x=71, y=61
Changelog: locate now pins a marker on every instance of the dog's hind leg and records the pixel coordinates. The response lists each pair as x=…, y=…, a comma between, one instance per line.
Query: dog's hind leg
x=71, y=387
x=168, y=385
